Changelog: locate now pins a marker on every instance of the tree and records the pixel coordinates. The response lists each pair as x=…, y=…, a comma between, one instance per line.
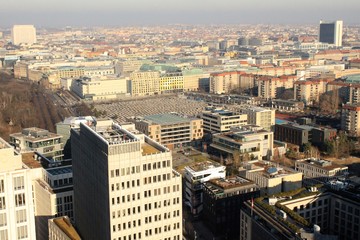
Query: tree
x=287, y=94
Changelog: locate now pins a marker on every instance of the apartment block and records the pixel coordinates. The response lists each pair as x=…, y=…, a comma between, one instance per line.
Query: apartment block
x=125, y=185
x=145, y=83
x=221, y=120
x=169, y=129
x=250, y=142
x=193, y=79
x=171, y=82
x=263, y=117
x=271, y=87
x=310, y=90
x=320, y=169
x=100, y=88
x=224, y=82
x=272, y=179
x=350, y=119
x=38, y=140
x=195, y=175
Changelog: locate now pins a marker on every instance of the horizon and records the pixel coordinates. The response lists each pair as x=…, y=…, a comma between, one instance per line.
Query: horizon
x=161, y=12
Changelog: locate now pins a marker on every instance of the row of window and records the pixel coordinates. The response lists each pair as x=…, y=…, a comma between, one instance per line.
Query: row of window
x=154, y=179
x=125, y=171
x=156, y=165
x=127, y=198
x=116, y=187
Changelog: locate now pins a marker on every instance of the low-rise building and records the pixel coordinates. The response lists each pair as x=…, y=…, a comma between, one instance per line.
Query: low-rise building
x=169, y=129
x=220, y=120
x=271, y=178
x=320, y=169
x=263, y=117
x=246, y=143
x=38, y=140
x=286, y=105
x=195, y=175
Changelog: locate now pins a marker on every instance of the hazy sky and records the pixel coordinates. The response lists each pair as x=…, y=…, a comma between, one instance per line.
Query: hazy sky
x=148, y=12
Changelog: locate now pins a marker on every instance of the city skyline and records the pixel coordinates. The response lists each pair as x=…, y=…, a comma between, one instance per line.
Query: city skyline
x=112, y=13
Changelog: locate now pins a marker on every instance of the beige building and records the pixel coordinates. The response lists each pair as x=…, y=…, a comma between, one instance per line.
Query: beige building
x=53, y=197
x=17, y=219
x=272, y=87
x=310, y=90
x=271, y=178
x=169, y=129
x=192, y=79
x=125, y=185
x=125, y=67
x=263, y=117
x=23, y=34
x=100, y=88
x=145, y=83
x=224, y=82
x=221, y=120
x=350, y=119
x=319, y=169
x=38, y=140
x=249, y=142
x=61, y=229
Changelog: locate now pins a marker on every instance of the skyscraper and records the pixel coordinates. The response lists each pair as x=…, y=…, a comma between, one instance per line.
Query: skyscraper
x=23, y=34
x=124, y=185
x=331, y=32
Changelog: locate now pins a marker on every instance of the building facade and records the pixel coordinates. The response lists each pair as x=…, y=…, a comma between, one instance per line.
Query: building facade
x=220, y=120
x=23, y=34
x=331, y=32
x=125, y=185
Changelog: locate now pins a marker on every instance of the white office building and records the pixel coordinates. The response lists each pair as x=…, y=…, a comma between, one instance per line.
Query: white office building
x=23, y=34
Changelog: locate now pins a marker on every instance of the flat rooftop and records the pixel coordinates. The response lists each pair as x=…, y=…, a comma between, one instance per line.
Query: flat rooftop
x=321, y=163
x=232, y=182
x=35, y=134
x=65, y=225
x=148, y=149
x=202, y=166
x=165, y=119
x=60, y=170
x=29, y=161
x=4, y=144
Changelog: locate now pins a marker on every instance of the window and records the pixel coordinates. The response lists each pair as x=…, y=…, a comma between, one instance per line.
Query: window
x=2, y=186
x=20, y=199
x=21, y=216
x=2, y=203
x=22, y=232
x=2, y=220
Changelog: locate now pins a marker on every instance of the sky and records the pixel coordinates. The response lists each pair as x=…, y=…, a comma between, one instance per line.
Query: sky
x=88, y=13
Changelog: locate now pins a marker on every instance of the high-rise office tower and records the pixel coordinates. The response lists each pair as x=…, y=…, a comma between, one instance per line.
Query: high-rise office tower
x=16, y=197
x=331, y=32
x=23, y=34
x=124, y=185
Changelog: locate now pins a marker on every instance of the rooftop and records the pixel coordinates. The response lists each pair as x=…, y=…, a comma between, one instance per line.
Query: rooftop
x=65, y=225
x=231, y=182
x=60, y=170
x=202, y=166
x=29, y=161
x=321, y=163
x=35, y=134
x=166, y=118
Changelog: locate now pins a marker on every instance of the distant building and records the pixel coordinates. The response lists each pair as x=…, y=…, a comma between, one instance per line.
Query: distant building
x=145, y=83
x=331, y=32
x=222, y=201
x=217, y=120
x=169, y=129
x=273, y=87
x=319, y=169
x=100, y=88
x=23, y=34
x=61, y=229
x=38, y=140
x=171, y=82
x=263, y=117
x=309, y=91
x=224, y=82
x=195, y=175
x=271, y=178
